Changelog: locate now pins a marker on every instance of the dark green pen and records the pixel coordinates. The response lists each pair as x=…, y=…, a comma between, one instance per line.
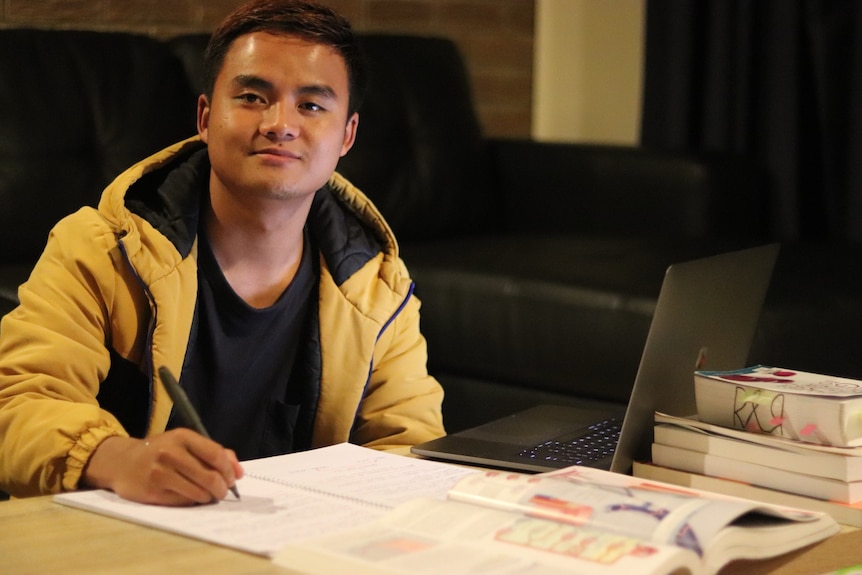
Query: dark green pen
x=184, y=408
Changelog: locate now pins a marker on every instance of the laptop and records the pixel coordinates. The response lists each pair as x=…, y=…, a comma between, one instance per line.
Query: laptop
x=705, y=318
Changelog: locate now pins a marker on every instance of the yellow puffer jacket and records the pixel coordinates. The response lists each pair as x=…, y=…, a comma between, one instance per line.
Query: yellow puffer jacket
x=112, y=289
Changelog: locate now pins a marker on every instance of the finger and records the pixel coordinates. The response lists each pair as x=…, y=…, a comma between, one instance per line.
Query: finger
x=153, y=481
x=183, y=491
x=238, y=471
x=203, y=462
x=217, y=458
x=176, y=477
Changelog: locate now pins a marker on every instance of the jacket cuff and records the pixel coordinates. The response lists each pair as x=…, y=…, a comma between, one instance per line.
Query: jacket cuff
x=81, y=451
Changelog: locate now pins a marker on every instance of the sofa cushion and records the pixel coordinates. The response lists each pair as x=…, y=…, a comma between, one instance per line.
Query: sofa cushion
x=559, y=314
x=77, y=108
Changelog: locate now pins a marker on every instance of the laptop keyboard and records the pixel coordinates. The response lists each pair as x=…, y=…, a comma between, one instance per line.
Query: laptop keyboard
x=596, y=443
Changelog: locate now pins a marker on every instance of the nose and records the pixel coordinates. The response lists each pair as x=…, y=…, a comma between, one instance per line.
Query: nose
x=280, y=121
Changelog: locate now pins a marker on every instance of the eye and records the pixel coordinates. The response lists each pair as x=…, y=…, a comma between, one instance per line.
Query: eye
x=311, y=107
x=249, y=98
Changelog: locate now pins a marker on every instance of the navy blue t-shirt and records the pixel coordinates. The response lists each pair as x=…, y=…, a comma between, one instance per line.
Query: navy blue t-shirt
x=239, y=363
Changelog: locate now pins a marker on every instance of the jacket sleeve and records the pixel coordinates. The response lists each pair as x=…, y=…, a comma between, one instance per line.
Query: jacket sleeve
x=53, y=354
x=402, y=405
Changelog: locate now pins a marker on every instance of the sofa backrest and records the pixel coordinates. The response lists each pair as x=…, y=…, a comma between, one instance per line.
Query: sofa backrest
x=419, y=152
x=77, y=108
x=626, y=191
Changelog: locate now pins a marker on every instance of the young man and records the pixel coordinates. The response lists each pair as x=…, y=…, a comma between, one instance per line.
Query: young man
x=241, y=262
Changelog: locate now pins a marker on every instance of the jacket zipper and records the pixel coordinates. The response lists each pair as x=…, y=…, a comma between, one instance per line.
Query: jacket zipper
x=151, y=328
x=377, y=339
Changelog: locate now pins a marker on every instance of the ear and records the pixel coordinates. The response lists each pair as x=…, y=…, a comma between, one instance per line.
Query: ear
x=203, y=115
x=350, y=133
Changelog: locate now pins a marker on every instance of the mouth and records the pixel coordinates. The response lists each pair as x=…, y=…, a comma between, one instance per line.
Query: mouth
x=276, y=154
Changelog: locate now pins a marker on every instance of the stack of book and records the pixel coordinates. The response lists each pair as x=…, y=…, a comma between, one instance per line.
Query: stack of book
x=772, y=434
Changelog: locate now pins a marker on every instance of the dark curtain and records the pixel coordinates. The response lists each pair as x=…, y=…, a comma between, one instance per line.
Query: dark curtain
x=777, y=80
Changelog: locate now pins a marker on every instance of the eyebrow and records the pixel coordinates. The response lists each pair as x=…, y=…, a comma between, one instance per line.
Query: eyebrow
x=319, y=90
x=251, y=81
x=258, y=83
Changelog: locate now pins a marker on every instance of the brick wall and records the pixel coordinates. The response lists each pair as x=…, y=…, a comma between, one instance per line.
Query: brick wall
x=495, y=36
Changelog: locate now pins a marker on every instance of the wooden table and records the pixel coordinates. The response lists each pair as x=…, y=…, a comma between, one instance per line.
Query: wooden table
x=38, y=536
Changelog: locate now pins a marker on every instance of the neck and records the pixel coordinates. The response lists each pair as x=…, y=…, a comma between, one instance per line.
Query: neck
x=258, y=247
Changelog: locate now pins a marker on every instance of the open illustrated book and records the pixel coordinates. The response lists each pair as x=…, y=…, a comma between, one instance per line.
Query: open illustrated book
x=347, y=509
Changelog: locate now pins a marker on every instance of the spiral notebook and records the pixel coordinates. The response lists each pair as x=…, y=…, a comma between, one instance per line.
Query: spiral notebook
x=705, y=318
x=286, y=498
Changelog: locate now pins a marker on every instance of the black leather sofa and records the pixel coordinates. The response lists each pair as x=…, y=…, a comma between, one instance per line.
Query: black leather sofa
x=538, y=264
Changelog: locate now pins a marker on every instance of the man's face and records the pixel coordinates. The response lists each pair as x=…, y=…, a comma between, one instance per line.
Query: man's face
x=277, y=123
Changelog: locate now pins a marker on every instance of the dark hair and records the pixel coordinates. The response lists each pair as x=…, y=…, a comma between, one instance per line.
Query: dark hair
x=300, y=18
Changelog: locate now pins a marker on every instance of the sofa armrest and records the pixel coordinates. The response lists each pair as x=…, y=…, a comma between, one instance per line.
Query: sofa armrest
x=11, y=276
x=628, y=191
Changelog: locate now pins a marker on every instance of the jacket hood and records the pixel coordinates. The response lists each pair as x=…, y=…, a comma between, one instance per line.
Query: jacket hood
x=143, y=191
x=163, y=192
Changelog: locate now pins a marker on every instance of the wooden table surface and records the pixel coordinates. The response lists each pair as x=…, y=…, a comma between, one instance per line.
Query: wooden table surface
x=40, y=537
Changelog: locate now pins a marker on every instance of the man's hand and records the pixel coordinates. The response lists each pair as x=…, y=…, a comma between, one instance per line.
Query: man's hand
x=178, y=467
